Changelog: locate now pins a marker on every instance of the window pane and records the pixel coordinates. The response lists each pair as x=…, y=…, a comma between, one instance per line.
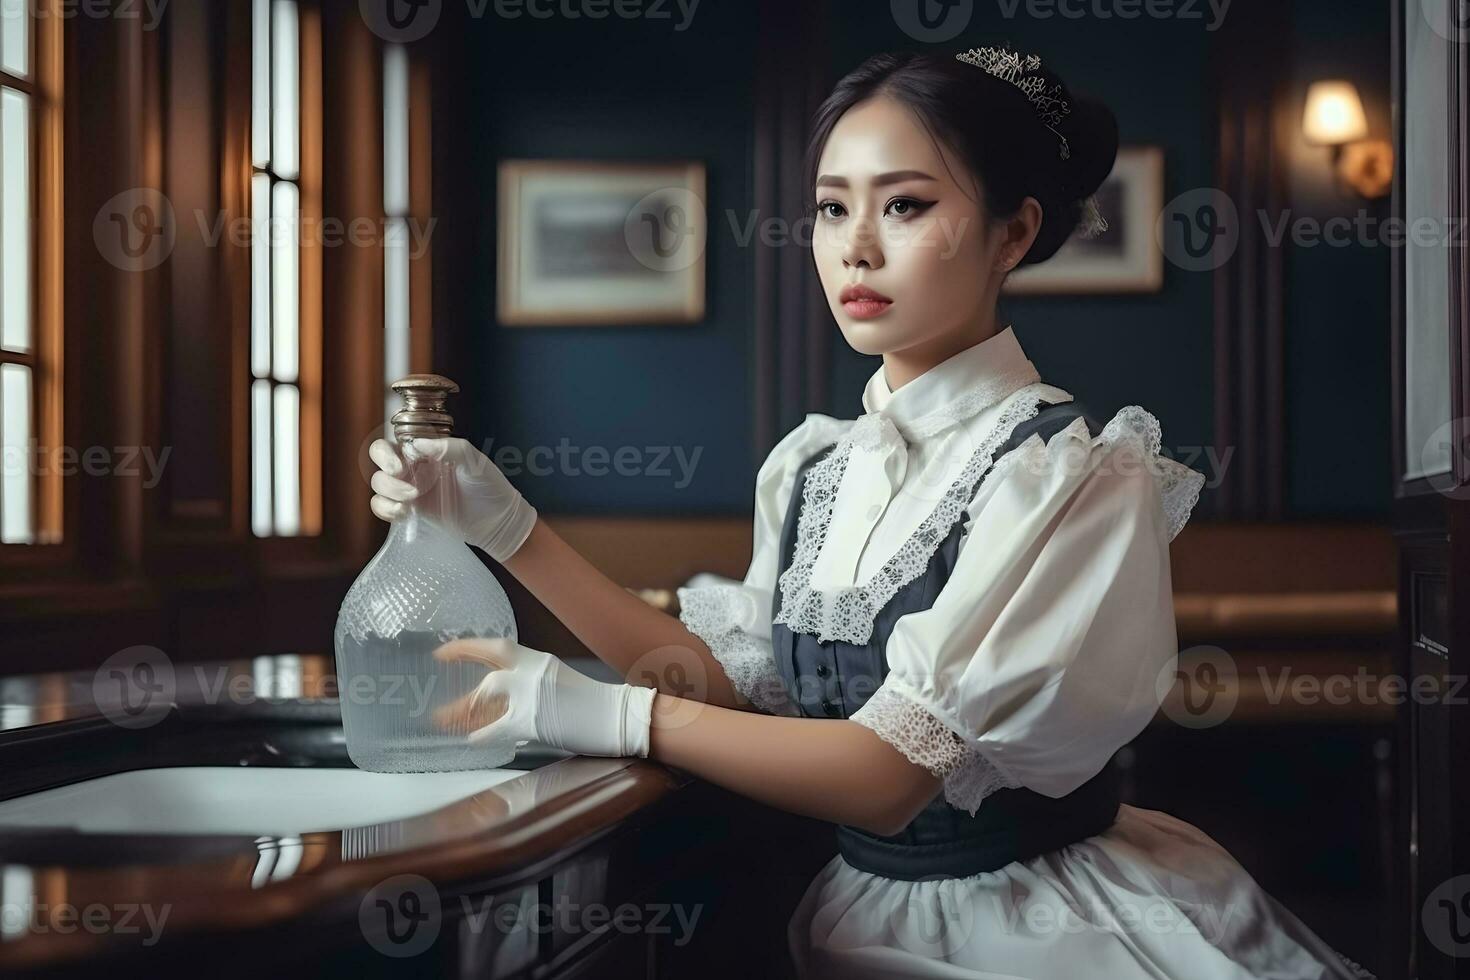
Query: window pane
x=15, y=37
x=395, y=299
x=16, y=526
x=288, y=460
x=285, y=280
x=260, y=95
x=395, y=130
x=260, y=458
x=260, y=275
x=285, y=91
x=15, y=220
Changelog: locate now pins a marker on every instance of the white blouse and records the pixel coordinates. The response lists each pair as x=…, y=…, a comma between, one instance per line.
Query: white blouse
x=1053, y=640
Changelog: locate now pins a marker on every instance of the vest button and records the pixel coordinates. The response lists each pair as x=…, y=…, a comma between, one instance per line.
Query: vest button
x=830, y=708
x=822, y=670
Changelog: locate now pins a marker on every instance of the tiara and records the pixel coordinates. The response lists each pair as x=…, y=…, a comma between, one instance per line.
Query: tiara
x=1011, y=66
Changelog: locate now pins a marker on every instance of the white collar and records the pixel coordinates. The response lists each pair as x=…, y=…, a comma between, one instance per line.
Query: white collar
x=951, y=391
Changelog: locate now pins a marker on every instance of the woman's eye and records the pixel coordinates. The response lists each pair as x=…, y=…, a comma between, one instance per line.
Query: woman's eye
x=899, y=207
x=909, y=206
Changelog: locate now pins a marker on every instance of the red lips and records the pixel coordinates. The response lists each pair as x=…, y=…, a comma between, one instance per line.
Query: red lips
x=857, y=291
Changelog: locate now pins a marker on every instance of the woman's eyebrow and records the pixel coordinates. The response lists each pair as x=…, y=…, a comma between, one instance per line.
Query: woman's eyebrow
x=892, y=177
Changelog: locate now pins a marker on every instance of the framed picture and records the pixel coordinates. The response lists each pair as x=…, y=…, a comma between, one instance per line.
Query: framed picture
x=585, y=242
x=1126, y=257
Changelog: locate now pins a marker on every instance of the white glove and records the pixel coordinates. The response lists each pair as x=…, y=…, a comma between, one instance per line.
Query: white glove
x=531, y=695
x=477, y=502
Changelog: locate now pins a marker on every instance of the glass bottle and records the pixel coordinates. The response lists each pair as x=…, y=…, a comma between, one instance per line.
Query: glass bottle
x=423, y=588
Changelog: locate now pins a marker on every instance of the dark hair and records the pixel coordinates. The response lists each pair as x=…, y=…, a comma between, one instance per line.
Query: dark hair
x=991, y=125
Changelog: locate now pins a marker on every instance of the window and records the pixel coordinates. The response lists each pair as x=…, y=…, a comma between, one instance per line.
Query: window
x=30, y=294
x=285, y=320
x=406, y=232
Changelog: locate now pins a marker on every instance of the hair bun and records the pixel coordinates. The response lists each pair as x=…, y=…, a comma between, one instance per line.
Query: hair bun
x=1091, y=130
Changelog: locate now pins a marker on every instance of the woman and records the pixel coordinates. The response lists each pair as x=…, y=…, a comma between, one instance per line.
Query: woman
x=959, y=604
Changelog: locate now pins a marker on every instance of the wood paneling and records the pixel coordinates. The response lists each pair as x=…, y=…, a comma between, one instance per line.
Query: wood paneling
x=1249, y=70
x=159, y=358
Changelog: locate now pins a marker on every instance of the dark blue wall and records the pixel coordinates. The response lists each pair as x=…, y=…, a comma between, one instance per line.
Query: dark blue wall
x=628, y=90
x=638, y=89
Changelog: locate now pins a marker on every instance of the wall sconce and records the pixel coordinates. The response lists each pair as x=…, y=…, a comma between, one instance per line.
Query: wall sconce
x=1334, y=117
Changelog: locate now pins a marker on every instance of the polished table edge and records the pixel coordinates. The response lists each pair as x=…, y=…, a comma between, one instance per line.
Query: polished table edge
x=596, y=797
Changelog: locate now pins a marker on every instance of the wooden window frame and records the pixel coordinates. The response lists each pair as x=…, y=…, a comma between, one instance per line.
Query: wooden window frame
x=52, y=546
x=305, y=544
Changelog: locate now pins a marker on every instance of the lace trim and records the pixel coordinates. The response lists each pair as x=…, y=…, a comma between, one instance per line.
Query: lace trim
x=711, y=613
x=977, y=399
x=926, y=741
x=1359, y=972
x=847, y=613
x=1179, y=486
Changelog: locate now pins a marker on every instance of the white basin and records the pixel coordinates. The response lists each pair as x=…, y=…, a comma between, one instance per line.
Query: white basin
x=257, y=801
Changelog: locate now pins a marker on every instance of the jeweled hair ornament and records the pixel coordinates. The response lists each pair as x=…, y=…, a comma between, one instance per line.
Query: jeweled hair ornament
x=1013, y=67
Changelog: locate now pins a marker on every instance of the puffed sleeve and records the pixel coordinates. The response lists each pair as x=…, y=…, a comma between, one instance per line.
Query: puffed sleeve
x=734, y=620
x=1043, y=653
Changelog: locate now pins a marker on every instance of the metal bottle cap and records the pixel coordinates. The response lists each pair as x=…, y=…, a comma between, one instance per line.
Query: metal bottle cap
x=422, y=414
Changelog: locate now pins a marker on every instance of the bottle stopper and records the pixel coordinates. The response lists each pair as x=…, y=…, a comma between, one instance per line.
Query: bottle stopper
x=423, y=415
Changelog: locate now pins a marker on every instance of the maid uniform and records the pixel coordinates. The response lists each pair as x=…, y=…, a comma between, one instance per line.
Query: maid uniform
x=978, y=571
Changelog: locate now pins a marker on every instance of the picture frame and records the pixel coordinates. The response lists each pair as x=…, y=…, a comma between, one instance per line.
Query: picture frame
x=1127, y=256
x=600, y=242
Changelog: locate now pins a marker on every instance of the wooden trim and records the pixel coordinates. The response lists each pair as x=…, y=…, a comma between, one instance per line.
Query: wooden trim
x=46, y=358
x=49, y=54
x=1457, y=141
x=1397, y=269
x=26, y=85
x=1249, y=62
x=482, y=845
x=309, y=378
x=352, y=279
x=234, y=299
x=1213, y=616
x=792, y=323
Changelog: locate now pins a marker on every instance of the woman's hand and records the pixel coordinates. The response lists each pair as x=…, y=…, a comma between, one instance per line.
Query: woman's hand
x=477, y=502
x=532, y=695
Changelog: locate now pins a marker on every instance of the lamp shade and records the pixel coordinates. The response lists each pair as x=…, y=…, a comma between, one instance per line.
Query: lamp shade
x=1334, y=114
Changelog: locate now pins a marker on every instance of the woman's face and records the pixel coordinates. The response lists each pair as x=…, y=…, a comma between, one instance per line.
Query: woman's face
x=892, y=217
